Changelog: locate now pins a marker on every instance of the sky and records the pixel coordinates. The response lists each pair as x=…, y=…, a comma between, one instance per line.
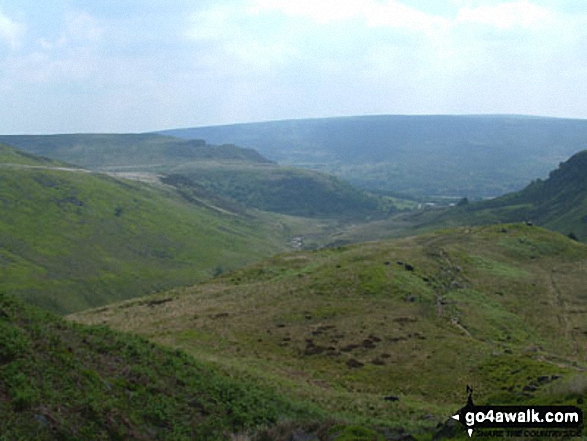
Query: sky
x=121, y=66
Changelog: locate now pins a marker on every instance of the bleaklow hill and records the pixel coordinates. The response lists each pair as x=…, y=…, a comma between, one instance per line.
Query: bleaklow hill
x=435, y=155
x=72, y=239
x=240, y=175
x=119, y=152
x=62, y=381
x=390, y=333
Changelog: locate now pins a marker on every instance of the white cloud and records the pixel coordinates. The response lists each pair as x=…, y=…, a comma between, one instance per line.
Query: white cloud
x=10, y=31
x=396, y=15
x=83, y=27
x=321, y=11
x=509, y=15
x=374, y=13
x=236, y=39
x=210, y=24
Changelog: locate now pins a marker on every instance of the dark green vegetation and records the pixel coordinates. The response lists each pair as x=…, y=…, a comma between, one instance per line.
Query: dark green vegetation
x=283, y=190
x=70, y=239
x=501, y=308
x=239, y=177
x=64, y=381
x=474, y=156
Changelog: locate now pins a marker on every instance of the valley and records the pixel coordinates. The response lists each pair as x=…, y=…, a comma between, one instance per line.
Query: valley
x=71, y=240
x=308, y=306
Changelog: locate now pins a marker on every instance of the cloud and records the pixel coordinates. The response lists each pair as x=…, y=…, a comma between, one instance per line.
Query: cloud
x=230, y=36
x=396, y=15
x=210, y=24
x=80, y=30
x=507, y=15
x=324, y=11
x=10, y=31
x=223, y=61
x=391, y=13
x=83, y=27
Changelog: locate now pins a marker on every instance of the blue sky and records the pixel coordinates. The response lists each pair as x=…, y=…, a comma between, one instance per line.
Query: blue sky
x=132, y=66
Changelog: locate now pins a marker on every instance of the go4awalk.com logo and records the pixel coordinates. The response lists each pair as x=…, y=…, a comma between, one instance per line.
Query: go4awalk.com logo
x=532, y=421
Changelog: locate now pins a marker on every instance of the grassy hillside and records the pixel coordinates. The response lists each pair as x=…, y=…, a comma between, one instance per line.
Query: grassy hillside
x=70, y=239
x=61, y=381
x=474, y=156
x=241, y=175
x=500, y=308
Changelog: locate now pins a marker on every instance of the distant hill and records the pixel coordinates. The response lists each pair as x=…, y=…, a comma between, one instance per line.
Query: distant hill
x=61, y=381
x=499, y=308
x=72, y=239
x=455, y=156
x=127, y=151
x=558, y=203
x=240, y=174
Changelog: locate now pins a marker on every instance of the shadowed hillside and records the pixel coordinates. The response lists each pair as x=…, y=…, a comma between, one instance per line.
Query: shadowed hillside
x=558, y=203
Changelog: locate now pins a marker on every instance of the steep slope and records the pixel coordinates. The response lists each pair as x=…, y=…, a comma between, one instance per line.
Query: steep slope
x=60, y=381
x=500, y=308
x=71, y=239
x=558, y=203
x=443, y=155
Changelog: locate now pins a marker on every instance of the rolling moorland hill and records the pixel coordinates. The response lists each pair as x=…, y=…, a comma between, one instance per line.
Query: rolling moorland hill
x=442, y=155
x=135, y=152
x=71, y=239
x=238, y=176
x=390, y=333
x=62, y=381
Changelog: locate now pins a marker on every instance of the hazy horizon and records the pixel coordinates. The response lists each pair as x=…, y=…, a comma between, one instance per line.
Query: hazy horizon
x=84, y=66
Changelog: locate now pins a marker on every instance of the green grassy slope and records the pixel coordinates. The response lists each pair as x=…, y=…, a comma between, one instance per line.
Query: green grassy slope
x=61, y=381
x=70, y=239
x=474, y=156
x=500, y=308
